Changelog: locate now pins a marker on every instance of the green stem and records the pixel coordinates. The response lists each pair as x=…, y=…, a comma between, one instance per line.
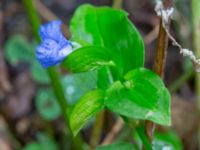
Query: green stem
x=107, y=77
x=196, y=38
x=59, y=93
x=53, y=73
x=146, y=143
x=33, y=17
x=58, y=90
x=181, y=81
x=117, y=4
x=96, y=132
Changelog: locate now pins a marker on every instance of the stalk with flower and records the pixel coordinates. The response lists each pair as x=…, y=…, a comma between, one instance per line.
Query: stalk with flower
x=112, y=46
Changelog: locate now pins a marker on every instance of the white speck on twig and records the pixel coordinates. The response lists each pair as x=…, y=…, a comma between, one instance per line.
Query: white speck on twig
x=166, y=15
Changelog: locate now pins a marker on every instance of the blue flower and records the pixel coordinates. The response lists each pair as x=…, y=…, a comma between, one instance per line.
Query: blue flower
x=54, y=46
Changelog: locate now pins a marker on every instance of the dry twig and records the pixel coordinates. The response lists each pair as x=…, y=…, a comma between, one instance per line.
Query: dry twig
x=114, y=131
x=164, y=11
x=166, y=15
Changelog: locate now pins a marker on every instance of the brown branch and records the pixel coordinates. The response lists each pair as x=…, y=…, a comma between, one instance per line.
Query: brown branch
x=161, y=51
x=114, y=131
x=152, y=35
x=159, y=64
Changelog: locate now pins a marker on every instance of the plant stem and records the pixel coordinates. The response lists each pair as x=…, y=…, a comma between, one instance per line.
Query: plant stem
x=59, y=93
x=117, y=4
x=146, y=143
x=53, y=73
x=181, y=80
x=159, y=64
x=117, y=127
x=96, y=132
x=196, y=38
x=99, y=122
x=196, y=44
x=33, y=17
x=161, y=51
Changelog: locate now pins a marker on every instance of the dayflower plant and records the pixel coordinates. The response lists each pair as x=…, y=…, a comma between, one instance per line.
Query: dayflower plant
x=113, y=47
x=54, y=46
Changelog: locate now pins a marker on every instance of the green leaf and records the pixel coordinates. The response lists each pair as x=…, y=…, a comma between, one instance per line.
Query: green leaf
x=17, y=49
x=168, y=140
x=76, y=85
x=44, y=142
x=142, y=96
x=87, y=59
x=104, y=78
x=87, y=107
x=109, y=28
x=47, y=105
x=38, y=73
x=33, y=146
x=117, y=146
x=47, y=142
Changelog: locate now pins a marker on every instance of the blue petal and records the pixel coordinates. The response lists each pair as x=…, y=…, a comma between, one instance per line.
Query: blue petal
x=51, y=30
x=51, y=45
x=52, y=55
x=54, y=46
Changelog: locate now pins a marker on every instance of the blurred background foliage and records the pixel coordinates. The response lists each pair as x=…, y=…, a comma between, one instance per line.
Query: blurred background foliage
x=29, y=114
